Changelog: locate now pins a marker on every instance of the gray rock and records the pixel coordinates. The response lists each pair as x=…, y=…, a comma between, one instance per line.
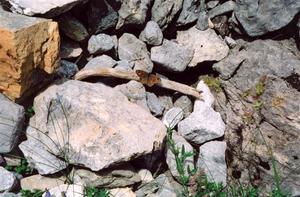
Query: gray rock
x=125, y=65
x=221, y=26
x=164, y=11
x=101, y=16
x=146, y=176
x=11, y=121
x=133, y=12
x=154, y=104
x=172, y=117
x=189, y=13
x=170, y=157
x=207, y=45
x=224, y=8
x=7, y=180
x=212, y=161
x=166, y=101
x=100, y=43
x=67, y=69
x=8, y=194
x=73, y=28
x=230, y=42
x=69, y=49
x=185, y=103
x=152, y=34
x=202, y=22
x=202, y=125
x=165, y=187
x=260, y=17
x=212, y=3
x=43, y=7
x=135, y=50
x=95, y=121
x=100, y=62
x=172, y=56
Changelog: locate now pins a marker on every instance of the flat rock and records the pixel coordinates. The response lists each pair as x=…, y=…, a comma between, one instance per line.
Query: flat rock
x=207, y=45
x=100, y=43
x=43, y=7
x=189, y=13
x=152, y=34
x=100, y=62
x=96, y=123
x=20, y=68
x=172, y=117
x=260, y=17
x=172, y=56
x=132, y=49
x=7, y=180
x=38, y=182
x=212, y=161
x=11, y=122
x=154, y=104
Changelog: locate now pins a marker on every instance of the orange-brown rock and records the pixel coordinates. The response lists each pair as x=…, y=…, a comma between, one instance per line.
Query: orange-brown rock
x=29, y=50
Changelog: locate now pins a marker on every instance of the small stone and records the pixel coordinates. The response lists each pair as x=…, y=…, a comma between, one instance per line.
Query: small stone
x=100, y=62
x=154, y=104
x=166, y=101
x=38, y=182
x=185, y=103
x=207, y=96
x=7, y=180
x=230, y=42
x=122, y=192
x=212, y=161
x=172, y=56
x=69, y=49
x=67, y=69
x=224, y=8
x=68, y=190
x=146, y=176
x=152, y=34
x=100, y=43
x=172, y=117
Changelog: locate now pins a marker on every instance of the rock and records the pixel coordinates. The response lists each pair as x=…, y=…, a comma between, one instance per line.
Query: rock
x=164, y=11
x=202, y=22
x=258, y=18
x=135, y=50
x=125, y=65
x=12, y=161
x=20, y=69
x=100, y=62
x=212, y=161
x=7, y=180
x=185, y=103
x=165, y=187
x=207, y=96
x=101, y=16
x=68, y=190
x=230, y=42
x=189, y=13
x=152, y=34
x=69, y=49
x=202, y=125
x=146, y=176
x=206, y=44
x=8, y=194
x=133, y=12
x=172, y=117
x=166, y=102
x=38, y=182
x=135, y=92
x=122, y=176
x=212, y=3
x=154, y=104
x=67, y=69
x=170, y=157
x=172, y=56
x=43, y=7
x=100, y=43
x=11, y=121
x=220, y=24
x=224, y=8
x=73, y=28
x=100, y=124
x=122, y=192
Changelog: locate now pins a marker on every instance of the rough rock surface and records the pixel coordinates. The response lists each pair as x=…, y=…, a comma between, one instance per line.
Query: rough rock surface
x=7, y=180
x=185, y=103
x=100, y=62
x=69, y=49
x=207, y=45
x=100, y=43
x=189, y=13
x=154, y=104
x=152, y=34
x=224, y=8
x=122, y=192
x=102, y=127
x=11, y=122
x=28, y=46
x=40, y=182
x=67, y=69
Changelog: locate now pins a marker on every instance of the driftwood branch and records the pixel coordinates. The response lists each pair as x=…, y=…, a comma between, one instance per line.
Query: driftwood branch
x=131, y=75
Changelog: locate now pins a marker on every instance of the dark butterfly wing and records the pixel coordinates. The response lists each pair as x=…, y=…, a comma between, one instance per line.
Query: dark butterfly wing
x=152, y=80
x=144, y=76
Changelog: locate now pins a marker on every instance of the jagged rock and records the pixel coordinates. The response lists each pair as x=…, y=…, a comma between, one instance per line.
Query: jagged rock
x=100, y=43
x=7, y=180
x=122, y=192
x=207, y=96
x=172, y=56
x=164, y=11
x=101, y=16
x=260, y=17
x=170, y=157
x=133, y=12
x=135, y=50
x=68, y=190
x=11, y=122
x=212, y=3
x=100, y=62
x=172, y=117
x=43, y=7
x=24, y=54
x=202, y=125
x=185, y=103
x=189, y=13
x=67, y=69
x=121, y=176
x=206, y=44
x=154, y=104
x=40, y=182
x=224, y=8
x=96, y=121
x=69, y=49
x=212, y=161
x=152, y=34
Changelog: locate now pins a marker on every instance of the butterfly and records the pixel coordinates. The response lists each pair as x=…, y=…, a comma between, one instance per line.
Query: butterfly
x=147, y=78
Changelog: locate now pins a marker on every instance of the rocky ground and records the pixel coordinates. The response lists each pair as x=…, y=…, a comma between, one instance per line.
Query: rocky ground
x=116, y=127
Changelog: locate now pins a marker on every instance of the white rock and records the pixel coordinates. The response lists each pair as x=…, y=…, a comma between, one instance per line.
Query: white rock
x=146, y=176
x=100, y=62
x=172, y=117
x=100, y=43
x=7, y=180
x=40, y=182
x=207, y=96
x=122, y=192
x=152, y=34
x=68, y=190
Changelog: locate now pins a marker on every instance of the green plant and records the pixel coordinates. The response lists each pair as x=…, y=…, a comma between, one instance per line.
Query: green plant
x=30, y=111
x=207, y=188
x=242, y=191
x=96, y=192
x=213, y=83
x=258, y=105
x=29, y=193
x=22, y=168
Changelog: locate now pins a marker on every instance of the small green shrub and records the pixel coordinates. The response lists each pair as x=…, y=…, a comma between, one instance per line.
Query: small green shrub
x=22, y=168
x=34, y=193
x=213, y=83
x=96, y=192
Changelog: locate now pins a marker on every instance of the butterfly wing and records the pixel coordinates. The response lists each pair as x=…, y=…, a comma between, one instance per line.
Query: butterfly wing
x=153, y=79
x=143, y=76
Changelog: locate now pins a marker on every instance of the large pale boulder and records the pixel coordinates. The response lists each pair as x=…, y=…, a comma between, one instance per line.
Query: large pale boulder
x=28, y=47
x=88, y=124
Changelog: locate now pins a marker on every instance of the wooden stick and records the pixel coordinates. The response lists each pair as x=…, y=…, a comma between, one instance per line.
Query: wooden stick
x=131, y=75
